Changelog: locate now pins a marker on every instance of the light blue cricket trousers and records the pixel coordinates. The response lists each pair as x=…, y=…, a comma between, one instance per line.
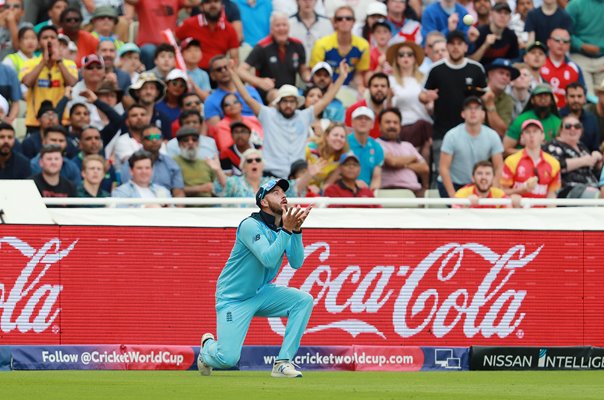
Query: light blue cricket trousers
x=233, y=320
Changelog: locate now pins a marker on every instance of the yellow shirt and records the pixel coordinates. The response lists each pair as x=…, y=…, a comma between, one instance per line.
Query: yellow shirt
x=50, y=85
x=327, y=49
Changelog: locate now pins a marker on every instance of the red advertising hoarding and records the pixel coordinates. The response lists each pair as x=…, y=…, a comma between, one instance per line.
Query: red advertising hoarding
x=155, y=285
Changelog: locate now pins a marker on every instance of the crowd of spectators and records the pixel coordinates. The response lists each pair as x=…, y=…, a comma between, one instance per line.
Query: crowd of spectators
x=200, y=98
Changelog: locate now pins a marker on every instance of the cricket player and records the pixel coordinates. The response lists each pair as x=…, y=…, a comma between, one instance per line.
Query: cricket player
x=244, y=289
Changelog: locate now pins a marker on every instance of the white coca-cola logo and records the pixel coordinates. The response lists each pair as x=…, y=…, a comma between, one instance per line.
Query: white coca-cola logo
x=497, y=305
x=28, y=293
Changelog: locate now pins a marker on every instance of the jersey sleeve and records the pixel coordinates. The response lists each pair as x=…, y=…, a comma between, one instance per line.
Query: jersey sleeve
x=253, y=237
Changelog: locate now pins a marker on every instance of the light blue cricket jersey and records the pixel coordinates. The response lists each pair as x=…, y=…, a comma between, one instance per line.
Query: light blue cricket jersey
x=256, y=257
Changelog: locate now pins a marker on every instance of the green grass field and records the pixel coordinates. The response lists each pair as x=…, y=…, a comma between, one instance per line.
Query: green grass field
x=187, y=385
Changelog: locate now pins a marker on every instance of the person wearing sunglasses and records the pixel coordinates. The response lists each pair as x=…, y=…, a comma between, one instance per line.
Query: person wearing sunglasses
x=531, y=172
x=541, y=21
x=559, y=71
x=71, y=23
x=580, y=167
x=222, y=132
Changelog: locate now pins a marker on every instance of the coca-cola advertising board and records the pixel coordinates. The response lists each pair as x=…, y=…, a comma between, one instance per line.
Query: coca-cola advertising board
x=413, y=287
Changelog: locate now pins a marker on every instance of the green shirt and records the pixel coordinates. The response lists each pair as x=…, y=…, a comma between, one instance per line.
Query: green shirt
x=586, y=16
x=551, y=125
x=504, y=105
x=195, y=173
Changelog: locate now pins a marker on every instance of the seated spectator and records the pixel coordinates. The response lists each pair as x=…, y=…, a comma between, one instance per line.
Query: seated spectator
x=598, y=109
x=48, y=180
x=308, y=26
x=109, y=93
x=252, y=177
x=379, y=88
x=435, y=50
x=519, y=89
x=54, y=14
x=231, y=108
x=346, y=186
x=230, y=158
x=517, y=22
x=176, y=87
x=531, y=172
x=198, y=174
x=403, y=164
x=164, y=61
x=93, y=173
x=542, y=107
x=186, y=102
x=403, y=21
x=312, y=95
x=579, y=165
x=216, y=35
x=325, y=151
x=207, y=145
x=496, y=40
x=93, y=73
x=108, y=52
x=10, y=23
x=71, y=25
x=575, y=103
x=47, y=117
x=140, y=184
x=129, y=60
x=534, y=58
x=90, y=144
x=321, y=77
x=375, y=11
x=377, y=53
x=148, y=91
x=10, y=90
x=444, y=16
x=67, y=49
x=366, y=148
x=26, y=48
x=166, y=171
x=481, y=9
x=465, y=145
x=50, y=66
x=198, y=78
x=12, y=164
x=258, y=11
x=219, y=72
x=104, y=22
x=498, y=103
x=276, y=59
x=130, y=141
x=483, y=177
x=406, y=83
x=57, y=135
x=541, y=21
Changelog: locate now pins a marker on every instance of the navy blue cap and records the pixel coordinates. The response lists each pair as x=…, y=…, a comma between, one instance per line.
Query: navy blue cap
x=268, y=186
x=505, y=64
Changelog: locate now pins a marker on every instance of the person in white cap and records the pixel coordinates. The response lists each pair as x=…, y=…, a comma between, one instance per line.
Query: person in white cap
x=176, y=86
x=286, y=127
x=375, y=11
x=366, y=148
x=308, y=26
x=321, y=77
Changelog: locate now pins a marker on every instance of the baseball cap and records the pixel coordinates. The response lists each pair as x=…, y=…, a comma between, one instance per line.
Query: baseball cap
x=177, y=74
x=348, y=155
x=45, y=107
x=536, y=45
x=105, y=11
x=240, y=124
x=128, y=48
x=189, y=42
x=530, y=122
x=268, y=186
x=542, y=88
x=322, y=65
x=472, y=100
x=366, y=111
x=376, y=8
x=91, y=59
x=456, y=34
x=502, y=6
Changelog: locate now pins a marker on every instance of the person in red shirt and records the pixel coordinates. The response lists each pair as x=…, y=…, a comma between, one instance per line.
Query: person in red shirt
x=214, y=32
x=379, y=87
x=346, y=186
x=531, y=172
x=71, y=21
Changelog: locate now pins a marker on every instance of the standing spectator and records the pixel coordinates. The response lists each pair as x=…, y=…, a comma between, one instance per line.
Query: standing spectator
x=286, y=127
x=207, y=145
x=46, y=76
x=321, y=76
x=541, y=21
x=519, y=89
x=366, y=148
x=575, y=103
x=498, y=103
x=598, y=109
x=517, y=22
x=71, y=21
x=379, y=88
x=445, y=16
x=465, y=145
x=325, y=152
x=11, y=91
x=166, y=171
x=230, y=158
x=579, y=165
x=307, y=26
x=222, y=132
x=541, y=107
x=28, y=44
x=164, y=61
x=54, y=14
x=483, y=178
x=534, y=58
x=277, y=59
x=258, y=11
x=93, y=172
x=57, y=135
x=435, y=50
x=531, y=172
x=496, y=40
x=216, y=34
x=587, y=39
x=198, y=78
x=49, y=181
x=176, y=86
x=141, y=185
x=406, y=83
x=219, y=72
x=559, y=71
x=198, y=174
x=10, y=23
x=332, y=49
x=449, y=82
x=403, y=165
x=347, y=186
x=12, y=164
x=148, y=91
